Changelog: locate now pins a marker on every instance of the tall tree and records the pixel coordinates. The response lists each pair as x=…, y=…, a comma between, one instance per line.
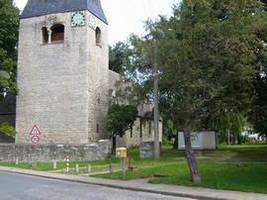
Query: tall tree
x=119, y=57
x=204, y=70
x=120, y=118
x=9, y=23
x=258, y=115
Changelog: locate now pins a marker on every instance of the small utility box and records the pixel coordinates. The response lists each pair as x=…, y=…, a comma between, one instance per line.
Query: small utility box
x=121, y=152
x=147, y=150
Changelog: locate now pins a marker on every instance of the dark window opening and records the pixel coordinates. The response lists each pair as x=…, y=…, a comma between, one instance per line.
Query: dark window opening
x=98, y=36
x=141, y=128
x=57, y=33
x=150, y=127
x=45, y=35
x=97, y=128
x=131, y=132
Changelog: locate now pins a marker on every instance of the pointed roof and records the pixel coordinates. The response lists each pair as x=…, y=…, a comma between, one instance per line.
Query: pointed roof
x=35, y=8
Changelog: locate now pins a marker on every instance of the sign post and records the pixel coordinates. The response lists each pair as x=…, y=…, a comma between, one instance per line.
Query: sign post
x=35, y=135
x=122, y=154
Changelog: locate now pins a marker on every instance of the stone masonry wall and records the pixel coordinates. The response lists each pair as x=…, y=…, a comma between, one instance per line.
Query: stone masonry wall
x=44, y=153
x=62, y=86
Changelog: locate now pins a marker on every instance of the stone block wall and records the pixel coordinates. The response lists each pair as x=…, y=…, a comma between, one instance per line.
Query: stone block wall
x=146, y=150
x=59, y=152
x=62, y=86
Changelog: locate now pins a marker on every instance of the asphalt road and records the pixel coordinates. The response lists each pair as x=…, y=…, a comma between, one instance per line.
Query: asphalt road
x=22, y=187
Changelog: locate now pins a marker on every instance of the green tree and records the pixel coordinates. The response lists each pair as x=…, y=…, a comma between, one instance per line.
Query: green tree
x=230, y=126
x=8, y=130
x=258, y=115
x=120, y=118
x=9, y=23
x=206, y=54
x=119, y=57
x=259, y=110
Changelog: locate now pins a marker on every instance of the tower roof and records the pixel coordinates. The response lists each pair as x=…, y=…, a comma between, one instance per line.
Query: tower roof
x=35, y=8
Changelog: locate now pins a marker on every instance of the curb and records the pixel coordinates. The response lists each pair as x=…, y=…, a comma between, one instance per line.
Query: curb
x=54, y=176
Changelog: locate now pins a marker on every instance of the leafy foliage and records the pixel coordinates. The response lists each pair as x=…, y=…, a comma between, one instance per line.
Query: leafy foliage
x=207, y=54
x=258, y=114
x=120, y=119
x=259, y=110
x=8, y=130
x=119, y=57
x=204, y=70
x=230, y=126
x=9, y=23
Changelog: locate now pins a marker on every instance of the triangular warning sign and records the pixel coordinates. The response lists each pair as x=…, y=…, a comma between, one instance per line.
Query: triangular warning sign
x=35, y=131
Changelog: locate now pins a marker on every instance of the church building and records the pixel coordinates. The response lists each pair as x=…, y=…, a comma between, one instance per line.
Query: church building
x=64, y=80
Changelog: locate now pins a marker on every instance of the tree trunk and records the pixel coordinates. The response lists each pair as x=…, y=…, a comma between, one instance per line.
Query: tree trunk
x=191, y=159
x=175, y=144
x=228, y=137
x=156, y=115
x=114, y=144
x=236, y=138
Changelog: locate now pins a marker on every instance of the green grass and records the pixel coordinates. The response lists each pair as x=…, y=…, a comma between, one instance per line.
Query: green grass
x=239, y=167
x=241, y=177
x=48, y=166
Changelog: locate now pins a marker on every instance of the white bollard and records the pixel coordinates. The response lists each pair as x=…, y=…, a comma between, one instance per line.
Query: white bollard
x=17, y=161
x=68, y=164
x=54, y=164
x=77, y=168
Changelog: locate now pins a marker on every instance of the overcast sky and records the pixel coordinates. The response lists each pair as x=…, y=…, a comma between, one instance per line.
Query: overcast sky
x=128, y=16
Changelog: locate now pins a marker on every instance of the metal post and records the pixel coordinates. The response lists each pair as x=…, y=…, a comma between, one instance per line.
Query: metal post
x=156, y=108
x=123, y=167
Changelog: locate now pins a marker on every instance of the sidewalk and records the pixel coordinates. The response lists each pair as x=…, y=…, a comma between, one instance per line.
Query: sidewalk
x=143, y=186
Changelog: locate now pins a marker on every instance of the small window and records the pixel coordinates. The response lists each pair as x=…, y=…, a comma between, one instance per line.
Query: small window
x=98, y=36
x=97, y=128
x=45, y=35
x=131, y=132
x=57, y=33
x=150, y=127
x=141, y=128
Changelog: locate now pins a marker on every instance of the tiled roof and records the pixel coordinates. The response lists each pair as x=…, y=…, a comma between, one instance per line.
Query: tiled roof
x=35, y=8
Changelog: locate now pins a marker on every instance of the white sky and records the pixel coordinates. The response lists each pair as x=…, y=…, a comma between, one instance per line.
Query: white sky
x=128, y=16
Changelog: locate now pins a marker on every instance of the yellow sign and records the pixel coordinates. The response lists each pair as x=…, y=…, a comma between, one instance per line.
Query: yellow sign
x=121, y=152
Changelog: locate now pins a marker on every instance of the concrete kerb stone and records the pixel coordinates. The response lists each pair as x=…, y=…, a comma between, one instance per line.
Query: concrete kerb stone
x=195, y=193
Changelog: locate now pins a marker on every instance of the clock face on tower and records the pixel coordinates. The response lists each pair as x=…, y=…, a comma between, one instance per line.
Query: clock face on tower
x=92, y=23
x=78, y=18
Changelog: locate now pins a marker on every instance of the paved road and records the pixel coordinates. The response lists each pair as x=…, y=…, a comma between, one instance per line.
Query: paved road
x=21, y=187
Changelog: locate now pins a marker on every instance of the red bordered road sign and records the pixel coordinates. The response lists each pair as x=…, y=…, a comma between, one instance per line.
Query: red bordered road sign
x=35, y=134
x=35, y=131
x=35, y=139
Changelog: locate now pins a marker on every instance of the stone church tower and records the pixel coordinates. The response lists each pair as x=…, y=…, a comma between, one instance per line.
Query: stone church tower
x=63, y=72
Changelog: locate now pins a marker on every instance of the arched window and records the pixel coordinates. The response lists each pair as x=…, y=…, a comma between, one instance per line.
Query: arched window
x=57, y=33
x=45, y=35
x=98, y=36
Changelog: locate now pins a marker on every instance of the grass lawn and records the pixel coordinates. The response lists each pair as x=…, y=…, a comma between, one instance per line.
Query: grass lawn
x=239, y=167
x=48, y=166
